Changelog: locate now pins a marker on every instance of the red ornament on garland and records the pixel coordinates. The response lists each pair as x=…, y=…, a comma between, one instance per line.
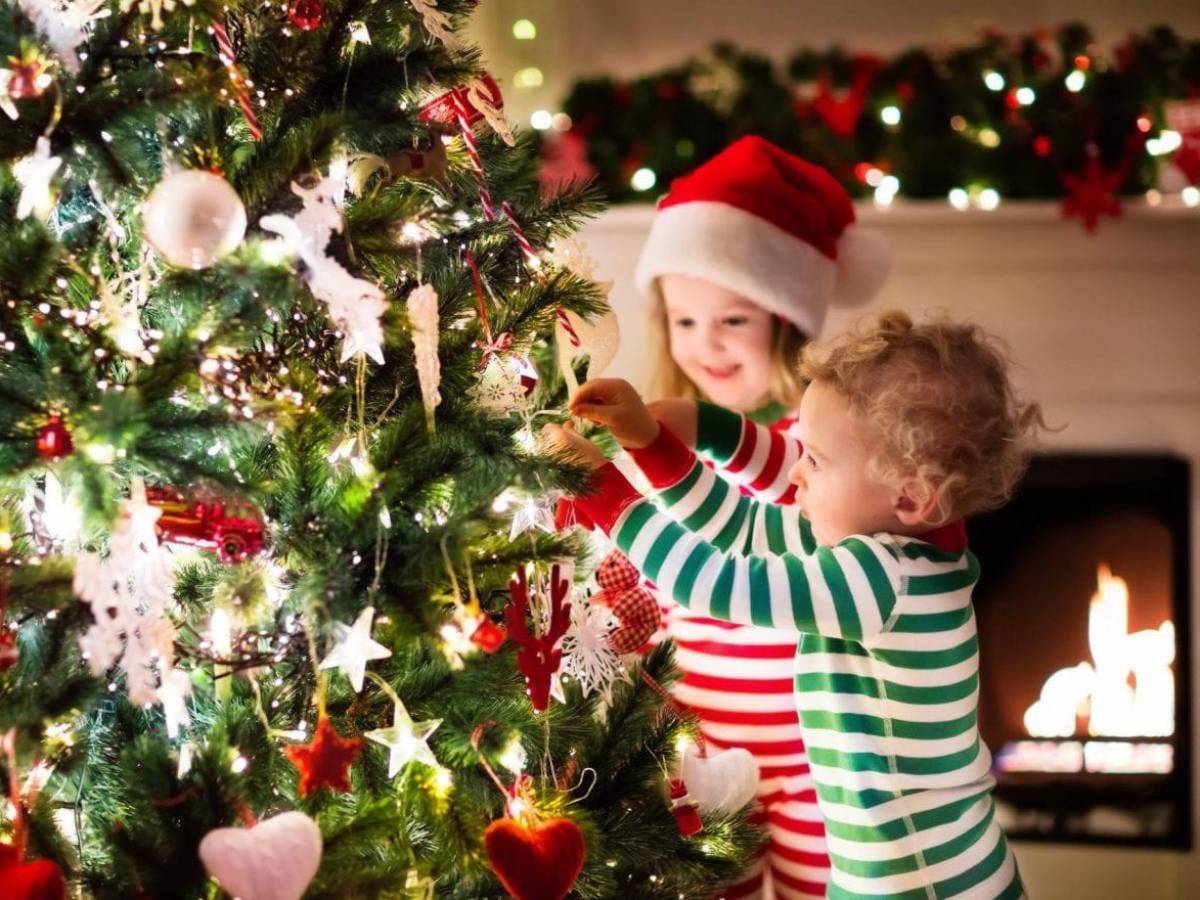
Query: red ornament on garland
x=306, y=14
x=539, y=657
x=325, y=761
x=54, y=441
x=1092, y=193
x=537, y=861
x=37, y=880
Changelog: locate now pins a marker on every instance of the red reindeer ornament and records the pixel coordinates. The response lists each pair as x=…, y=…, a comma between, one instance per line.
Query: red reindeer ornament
x=539, y=657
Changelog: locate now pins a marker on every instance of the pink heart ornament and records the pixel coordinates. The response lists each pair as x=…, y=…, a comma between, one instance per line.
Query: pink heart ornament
x=723, y=781
x=274, y=860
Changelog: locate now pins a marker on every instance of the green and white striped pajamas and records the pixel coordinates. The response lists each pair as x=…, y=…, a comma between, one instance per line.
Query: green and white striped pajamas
x=886, y=672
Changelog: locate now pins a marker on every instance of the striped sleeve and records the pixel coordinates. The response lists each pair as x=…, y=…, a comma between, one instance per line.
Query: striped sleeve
x=748, y=454
x=709, y=507
x=848, y=592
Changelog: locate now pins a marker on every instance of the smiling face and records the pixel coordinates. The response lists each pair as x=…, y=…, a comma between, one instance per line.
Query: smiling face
x=720, y=340
x=835, y=490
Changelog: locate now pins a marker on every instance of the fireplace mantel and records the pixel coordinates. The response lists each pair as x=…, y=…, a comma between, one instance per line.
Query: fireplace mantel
x=1105, y=328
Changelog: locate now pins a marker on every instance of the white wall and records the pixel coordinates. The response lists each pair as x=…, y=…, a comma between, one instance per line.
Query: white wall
x=632, y=37
x=1106, y=331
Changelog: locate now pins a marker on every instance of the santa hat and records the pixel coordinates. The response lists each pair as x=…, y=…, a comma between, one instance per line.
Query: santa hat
x=770, y=226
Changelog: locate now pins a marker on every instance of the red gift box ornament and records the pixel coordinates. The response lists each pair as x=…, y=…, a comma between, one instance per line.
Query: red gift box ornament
x=535, y=861
x=683, y=808
x=539, y=656
x=445, y=109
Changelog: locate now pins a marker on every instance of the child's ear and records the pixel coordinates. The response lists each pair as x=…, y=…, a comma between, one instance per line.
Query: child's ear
x=919, y=503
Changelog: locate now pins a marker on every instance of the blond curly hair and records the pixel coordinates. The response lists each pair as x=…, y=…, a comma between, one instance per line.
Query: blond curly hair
x=938, y=399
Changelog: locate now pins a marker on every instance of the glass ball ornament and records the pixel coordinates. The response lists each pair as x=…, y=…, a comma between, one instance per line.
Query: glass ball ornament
x=54, y=440
x=306, y=14
x=193, y=218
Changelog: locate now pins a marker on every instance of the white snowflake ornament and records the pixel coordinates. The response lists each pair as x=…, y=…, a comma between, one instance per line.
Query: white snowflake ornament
x=355, y=305
x=65, y=24
x=588, y=655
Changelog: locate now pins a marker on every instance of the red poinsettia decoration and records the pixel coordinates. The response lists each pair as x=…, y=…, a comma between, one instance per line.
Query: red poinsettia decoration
x=539, y=657
x=325, y=761
x=1092, y=192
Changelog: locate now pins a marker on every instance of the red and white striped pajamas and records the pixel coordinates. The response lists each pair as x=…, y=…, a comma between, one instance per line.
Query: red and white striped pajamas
x=739, y=680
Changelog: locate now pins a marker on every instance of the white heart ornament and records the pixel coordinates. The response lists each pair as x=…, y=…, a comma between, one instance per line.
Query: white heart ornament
x=723, y=781
x=274, y=860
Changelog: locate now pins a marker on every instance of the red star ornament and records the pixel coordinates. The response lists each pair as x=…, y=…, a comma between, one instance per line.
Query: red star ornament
x=326, y=760
x=1092, y=193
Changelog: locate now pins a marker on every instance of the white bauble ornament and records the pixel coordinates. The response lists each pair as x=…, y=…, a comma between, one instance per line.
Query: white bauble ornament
x=193, y=218
x=274, y=860
x=723, y=781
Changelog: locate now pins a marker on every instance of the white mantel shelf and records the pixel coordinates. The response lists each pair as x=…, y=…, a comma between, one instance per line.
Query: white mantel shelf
x=931, y=212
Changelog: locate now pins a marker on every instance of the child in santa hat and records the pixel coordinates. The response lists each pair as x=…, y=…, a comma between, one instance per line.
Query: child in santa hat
x=745, y=256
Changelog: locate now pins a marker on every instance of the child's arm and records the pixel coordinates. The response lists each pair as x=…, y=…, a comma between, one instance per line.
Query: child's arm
x=848, y=591
x=747, y=454
x=702, y=501
x=706, y=505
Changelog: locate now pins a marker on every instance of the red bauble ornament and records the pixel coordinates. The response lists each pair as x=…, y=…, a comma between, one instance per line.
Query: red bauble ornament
x=1092, y=193
x=232, y=530
x=8, y=649
x=306, y=14
x=37, y=880
x=488, y=636
x=326, y=760
x=684, y=809
x=539, y=861
x=54, y=441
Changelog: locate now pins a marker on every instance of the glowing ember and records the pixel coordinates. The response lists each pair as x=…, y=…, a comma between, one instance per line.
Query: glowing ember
x=1102, y=689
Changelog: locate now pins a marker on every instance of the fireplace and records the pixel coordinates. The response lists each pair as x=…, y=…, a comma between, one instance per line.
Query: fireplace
x=1083, y=621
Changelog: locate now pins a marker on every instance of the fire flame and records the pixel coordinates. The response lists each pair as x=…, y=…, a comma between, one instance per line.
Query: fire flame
x=1101, y=689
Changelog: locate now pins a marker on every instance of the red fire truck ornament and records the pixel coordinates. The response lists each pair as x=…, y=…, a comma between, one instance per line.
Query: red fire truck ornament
x=232, y=529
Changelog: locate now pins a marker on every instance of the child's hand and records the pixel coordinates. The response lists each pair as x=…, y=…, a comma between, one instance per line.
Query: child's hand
x=572, y=444
x=680, y=417
x=615, y=404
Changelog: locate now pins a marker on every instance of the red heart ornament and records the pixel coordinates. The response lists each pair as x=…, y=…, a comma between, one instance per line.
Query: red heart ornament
x=37, y=880
x=538, y=862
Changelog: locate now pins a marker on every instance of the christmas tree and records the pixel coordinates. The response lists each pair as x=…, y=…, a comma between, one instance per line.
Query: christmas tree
x=283, y=609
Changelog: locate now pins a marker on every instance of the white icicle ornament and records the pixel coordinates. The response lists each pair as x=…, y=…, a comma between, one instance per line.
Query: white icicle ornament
x=423, y=317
